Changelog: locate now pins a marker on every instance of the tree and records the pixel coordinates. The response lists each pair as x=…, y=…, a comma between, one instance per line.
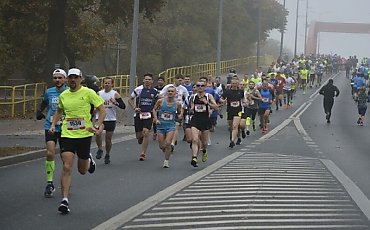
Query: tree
x=37, y=34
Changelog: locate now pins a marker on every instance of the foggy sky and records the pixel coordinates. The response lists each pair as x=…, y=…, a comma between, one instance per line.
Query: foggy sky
x=355, y=11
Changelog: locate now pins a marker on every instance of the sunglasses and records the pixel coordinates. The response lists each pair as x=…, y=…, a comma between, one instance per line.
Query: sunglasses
x=201, y=85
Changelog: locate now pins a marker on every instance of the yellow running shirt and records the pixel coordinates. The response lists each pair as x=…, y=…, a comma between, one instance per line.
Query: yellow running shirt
x=304, y=74
x=77, y=109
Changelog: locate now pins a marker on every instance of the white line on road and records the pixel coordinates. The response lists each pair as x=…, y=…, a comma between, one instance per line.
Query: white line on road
x=353, y=190
x=127, y=215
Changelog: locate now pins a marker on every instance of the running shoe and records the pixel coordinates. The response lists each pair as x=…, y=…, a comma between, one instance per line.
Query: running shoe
x=140, y=140
x=64, y=207
x=99, y=153
x=92, y=165
x=359, y=121
x=204, y=155
x=107, y=159
x=243, y=134
x=221, y=116
x=49, y=190
x=209, y=142
x=142, y=157
x=166, y=164
x=232, y=144
x=154, y=136
x=175, y=142
x=239, y=141
x=194, y=162
x=248, y=132
x=254, y=126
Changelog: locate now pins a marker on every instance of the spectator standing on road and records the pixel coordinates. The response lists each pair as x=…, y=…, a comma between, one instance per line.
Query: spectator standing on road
x=145, y=98
x=51, y=100
x=77, y=130
x=329, y=91
x=111, y=100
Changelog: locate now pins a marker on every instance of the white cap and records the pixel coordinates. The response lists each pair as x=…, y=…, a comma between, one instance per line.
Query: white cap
x=60, y=71
x=75, y=71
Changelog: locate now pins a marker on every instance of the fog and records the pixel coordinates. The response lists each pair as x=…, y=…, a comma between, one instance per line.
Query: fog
x=353, y=11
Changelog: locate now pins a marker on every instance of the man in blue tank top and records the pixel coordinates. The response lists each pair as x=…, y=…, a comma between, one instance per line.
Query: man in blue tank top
x=164, y=112
x=51, y=100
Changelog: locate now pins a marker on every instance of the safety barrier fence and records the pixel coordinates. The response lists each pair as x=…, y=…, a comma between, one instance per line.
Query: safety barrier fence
x=22, y=99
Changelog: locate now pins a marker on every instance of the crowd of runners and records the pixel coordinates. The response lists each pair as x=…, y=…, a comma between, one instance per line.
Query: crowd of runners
x=163, y=112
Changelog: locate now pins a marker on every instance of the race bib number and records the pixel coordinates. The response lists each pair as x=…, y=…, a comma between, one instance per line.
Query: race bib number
x=200, y=108
x=235, y=104
x=167, y=116
x=265, y=99
x=58, y=122
x=75, y=123
x=145, y=115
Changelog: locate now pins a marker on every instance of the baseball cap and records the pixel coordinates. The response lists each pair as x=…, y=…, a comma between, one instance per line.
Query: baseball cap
x=60, y=71
x=74, y=71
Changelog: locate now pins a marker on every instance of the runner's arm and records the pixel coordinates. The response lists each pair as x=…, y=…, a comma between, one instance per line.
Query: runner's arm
x=119, y=102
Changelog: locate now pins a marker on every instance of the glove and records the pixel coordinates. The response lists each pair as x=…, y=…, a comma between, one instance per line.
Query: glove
x=39, y=115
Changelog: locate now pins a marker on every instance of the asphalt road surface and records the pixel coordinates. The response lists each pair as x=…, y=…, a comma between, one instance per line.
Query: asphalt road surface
x=303, y=174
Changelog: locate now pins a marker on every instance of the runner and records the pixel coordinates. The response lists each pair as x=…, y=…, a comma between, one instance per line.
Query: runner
x=51, y=100
x=167, y=108
x=77, y=130
x=252, y=97
x=264, y=106
x=329, y=91
x=288, y=91
x=111, y=100
x=233, y=97
x=362, y=106
x=160, y=85
x=280, y=83
x=181, y=94
x=145, y=97
x=304, y=78
x=201, y=105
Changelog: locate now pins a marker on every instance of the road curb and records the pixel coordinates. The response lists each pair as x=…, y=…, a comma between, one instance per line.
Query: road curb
x=37, y=154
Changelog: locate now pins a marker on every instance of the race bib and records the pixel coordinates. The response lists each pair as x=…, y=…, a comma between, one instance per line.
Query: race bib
x=251, y=102
x=234, y=104
x=200, y=108
x=145, y=115
x=58, y=122
x=265, y=99
x=75, y=123
x=167, y=116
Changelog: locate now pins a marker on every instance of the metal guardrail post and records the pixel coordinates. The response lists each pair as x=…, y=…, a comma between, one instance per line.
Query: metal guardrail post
x=13, y=100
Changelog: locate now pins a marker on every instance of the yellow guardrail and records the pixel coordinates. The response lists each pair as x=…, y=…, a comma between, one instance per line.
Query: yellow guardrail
x=20, y=99
x=196, y=71
x=121, y=83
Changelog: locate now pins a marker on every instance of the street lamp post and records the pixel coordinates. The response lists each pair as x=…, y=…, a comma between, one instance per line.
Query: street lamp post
x=135, y=30
x=259, y=35
x=219, y=40
x=305, y=32
x=282, y=37
x=296, y=31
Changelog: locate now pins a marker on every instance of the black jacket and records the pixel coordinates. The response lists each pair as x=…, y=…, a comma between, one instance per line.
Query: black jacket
x=329, y=91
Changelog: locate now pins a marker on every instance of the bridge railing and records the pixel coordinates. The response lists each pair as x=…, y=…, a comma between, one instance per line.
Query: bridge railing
x=17, y=100
x=22, y=99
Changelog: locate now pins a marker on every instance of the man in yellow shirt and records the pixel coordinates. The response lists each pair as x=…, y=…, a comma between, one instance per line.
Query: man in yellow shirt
x=304, y=77
x=77, y=130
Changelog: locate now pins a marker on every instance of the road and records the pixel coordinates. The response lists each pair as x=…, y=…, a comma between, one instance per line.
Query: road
x=303, y=174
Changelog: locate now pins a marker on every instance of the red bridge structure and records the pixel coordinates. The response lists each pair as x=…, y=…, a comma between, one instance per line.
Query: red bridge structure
x=334, y=27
